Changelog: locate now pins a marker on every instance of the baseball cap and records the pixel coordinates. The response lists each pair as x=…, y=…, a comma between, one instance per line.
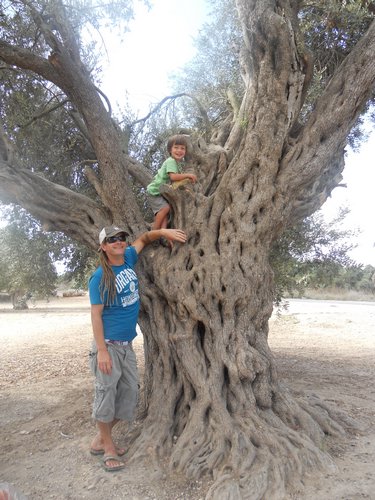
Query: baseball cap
x=108, y=231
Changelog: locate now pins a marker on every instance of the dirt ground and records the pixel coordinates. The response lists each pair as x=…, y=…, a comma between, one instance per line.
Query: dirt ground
x=323, y=348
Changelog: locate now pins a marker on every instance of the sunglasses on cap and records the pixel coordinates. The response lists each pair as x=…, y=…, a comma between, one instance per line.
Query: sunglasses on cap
x=117, y=237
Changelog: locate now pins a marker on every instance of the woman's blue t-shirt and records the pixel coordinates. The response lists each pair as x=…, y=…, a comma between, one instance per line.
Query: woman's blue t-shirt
x=119, y=318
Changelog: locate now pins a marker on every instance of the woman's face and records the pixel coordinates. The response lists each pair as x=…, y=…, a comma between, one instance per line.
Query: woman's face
x=114, y=245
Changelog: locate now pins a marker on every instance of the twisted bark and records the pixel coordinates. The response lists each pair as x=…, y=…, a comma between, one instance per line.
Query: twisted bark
x=214, y=402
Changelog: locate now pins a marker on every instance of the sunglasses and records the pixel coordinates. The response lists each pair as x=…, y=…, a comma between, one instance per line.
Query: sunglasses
x=118, y=237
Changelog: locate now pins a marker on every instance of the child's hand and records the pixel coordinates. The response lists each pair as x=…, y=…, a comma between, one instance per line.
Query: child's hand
x=193, y=178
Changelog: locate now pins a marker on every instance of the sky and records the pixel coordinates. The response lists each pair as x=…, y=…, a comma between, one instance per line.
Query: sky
x=358, y=196
x=160, y=42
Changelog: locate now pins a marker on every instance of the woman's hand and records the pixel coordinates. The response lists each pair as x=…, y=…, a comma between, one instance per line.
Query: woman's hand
x=174, y=235
x=104, y=361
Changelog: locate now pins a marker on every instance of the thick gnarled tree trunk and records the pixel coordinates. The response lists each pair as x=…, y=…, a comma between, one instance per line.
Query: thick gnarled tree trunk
x=223, y=410
x=213, y=401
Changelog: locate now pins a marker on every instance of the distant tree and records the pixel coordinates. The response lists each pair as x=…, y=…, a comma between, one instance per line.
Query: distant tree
x=265, y=160
x=76, y=262
x=311, y=254
x=356, y=277
x=26, y=265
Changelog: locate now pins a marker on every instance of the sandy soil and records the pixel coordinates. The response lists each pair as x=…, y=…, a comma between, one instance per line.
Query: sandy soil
x=322, y=348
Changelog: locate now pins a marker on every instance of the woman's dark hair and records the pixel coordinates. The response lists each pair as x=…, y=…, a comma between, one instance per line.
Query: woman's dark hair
x=179, y=140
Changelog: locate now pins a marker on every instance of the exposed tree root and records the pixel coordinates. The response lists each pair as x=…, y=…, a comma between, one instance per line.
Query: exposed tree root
x=258, y=454
x=214, y=404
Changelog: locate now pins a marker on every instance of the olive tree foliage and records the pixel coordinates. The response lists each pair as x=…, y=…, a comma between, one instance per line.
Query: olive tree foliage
x=328, y=29
x=266, y=157
x=26, y=263
x=28, y=256
x=311, y=254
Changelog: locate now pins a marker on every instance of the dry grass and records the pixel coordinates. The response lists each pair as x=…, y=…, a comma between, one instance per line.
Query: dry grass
x=333, y=293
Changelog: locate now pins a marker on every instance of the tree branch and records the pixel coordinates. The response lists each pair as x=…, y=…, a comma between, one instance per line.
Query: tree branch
x=25, y=59
x=45, y=112
x=6, y=148
x=173, y=98
x=106, y=100
x=58, y=208
x=70, y=75
x=57, y=21
x=272, y=70
x=320, y=148
x=139, y=172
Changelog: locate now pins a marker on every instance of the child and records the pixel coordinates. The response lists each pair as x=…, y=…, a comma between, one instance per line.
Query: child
x=170, y=171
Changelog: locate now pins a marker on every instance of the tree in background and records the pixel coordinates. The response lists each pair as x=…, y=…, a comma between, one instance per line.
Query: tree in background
x=29, y=255
x=311, y=254
x=268, y=153
x=26, y=265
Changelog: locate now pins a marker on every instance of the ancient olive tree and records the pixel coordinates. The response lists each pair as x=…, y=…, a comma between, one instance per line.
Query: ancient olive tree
x=213, y=402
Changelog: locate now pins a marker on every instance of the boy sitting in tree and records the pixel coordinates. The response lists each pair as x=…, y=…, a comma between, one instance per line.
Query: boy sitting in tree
x=170, y=171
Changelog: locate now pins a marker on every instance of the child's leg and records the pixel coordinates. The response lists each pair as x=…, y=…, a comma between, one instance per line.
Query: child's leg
x=164, y=225
x=161, y=218
x=164, y=222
